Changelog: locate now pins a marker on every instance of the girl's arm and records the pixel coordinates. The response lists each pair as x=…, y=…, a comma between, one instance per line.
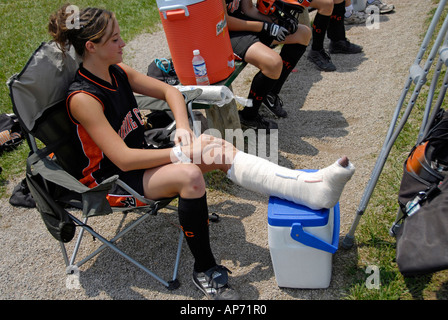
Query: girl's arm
x=236, y=24
x=89, y=113
x=261, y=23
x=148, y=86
x=251, y=11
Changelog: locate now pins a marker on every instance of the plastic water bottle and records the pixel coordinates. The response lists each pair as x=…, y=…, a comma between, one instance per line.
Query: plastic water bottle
x=200, y=69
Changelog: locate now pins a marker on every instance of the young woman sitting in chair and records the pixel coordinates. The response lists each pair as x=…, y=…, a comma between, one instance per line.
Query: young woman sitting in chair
x=106, y=120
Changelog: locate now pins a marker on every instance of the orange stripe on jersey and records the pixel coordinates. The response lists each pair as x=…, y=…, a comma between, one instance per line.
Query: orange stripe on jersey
x=123, y=70
x=89, y=181
x=83, y=75
x=91, y=151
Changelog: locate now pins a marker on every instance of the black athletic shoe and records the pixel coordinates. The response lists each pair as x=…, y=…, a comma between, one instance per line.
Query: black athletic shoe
x=274, y=104
x=344, y=46
x=214, y=284
x=321, y=59
x=258, y=122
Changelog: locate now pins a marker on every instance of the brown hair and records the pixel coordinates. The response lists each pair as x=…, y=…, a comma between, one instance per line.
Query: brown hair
x=71, y=26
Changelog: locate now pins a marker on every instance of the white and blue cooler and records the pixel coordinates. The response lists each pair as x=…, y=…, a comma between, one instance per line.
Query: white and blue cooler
x=302, y=242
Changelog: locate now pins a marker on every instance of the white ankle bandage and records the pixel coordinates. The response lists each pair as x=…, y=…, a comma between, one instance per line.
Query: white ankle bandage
x=316, y=190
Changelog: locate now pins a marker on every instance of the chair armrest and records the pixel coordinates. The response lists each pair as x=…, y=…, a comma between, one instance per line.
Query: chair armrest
x=152, y=104
x=94, y=199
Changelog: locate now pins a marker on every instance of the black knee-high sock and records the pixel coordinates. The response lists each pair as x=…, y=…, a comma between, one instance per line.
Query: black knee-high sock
x=291, y=54
x=261, y=86
x=193, y=218
x=336, y=27
x=320, y=26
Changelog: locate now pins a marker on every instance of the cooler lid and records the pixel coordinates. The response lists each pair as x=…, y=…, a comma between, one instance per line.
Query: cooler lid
x=283, y=213
x=172, y=5
x=162, y=3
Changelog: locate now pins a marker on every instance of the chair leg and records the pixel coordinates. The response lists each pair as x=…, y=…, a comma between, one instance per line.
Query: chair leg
x=78, y=243
x=64, y=253
x=69, y=263
x=170, y=285
x=174, y=284
x=113, y=240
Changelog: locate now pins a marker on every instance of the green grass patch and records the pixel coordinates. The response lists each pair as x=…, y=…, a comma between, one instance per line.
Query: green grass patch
x=23, y=26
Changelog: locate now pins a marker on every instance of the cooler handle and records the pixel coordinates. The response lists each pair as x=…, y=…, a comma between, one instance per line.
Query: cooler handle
x=174, y=7
x=300, y=235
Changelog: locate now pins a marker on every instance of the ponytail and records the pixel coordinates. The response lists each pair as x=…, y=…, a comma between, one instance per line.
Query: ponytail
x=71, y=26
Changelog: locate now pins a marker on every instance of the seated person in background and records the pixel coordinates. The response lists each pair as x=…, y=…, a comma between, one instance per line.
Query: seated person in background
x=110, y=140
x=251, y=34
x=329, y=20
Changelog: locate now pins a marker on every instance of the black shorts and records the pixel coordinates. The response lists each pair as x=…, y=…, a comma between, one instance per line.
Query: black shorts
x=242, y=40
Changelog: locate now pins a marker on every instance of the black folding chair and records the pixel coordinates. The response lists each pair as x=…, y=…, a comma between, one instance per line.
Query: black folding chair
x=38, y=95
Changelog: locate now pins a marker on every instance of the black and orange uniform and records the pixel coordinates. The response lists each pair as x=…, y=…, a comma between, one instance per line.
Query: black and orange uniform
x=242, y=40
x=261, y=84
x=121, y=110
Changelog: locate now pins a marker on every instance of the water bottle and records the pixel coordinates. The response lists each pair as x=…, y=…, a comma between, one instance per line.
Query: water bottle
x=200, y=69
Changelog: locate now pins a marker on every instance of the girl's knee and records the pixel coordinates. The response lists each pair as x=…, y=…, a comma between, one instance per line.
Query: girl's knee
x=267, y=60
x=273, y=66
x=303, y=34
x=306, y=31
x=193, y=184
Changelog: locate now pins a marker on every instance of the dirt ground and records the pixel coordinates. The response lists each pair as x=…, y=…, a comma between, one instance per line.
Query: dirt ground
x=346, y=112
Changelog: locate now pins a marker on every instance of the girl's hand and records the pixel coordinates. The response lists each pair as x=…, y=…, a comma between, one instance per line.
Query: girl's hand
x=207, y=149
x=183, y=136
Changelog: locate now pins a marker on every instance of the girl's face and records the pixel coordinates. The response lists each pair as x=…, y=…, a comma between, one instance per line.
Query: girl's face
x=110, y=48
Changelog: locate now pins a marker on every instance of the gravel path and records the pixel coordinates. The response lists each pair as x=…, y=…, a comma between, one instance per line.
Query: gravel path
x=330, y=114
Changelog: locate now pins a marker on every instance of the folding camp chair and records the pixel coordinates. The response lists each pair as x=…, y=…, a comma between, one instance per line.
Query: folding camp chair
x=417, y=75
x=38, y=95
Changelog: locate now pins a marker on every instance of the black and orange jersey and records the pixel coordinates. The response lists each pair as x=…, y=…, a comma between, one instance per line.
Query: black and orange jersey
x=120, y=109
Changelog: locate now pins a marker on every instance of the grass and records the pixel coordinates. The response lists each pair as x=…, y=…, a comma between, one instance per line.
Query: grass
x=23, y=28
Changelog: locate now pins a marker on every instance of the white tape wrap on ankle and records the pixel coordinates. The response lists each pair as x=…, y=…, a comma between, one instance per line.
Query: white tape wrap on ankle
x=316, y=190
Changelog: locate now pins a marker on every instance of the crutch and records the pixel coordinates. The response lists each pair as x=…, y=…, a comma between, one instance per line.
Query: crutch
x=417, y=75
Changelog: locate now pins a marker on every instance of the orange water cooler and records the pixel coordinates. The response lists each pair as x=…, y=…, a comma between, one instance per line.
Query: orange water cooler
x=197, y=24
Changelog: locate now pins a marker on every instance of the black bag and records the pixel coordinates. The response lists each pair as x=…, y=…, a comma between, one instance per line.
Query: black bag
x=422, y=240
x=10, y=132
x=55, y=217
x=426, y=165
x=163, y=70
x=160, y=125
x=21, y=196
x=421, y=198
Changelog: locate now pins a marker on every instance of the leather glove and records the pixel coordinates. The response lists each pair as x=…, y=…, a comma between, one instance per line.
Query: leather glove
x=290, y=24
x=275, y=31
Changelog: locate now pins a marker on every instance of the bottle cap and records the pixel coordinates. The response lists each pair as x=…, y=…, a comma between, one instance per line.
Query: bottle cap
x=196, y=52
